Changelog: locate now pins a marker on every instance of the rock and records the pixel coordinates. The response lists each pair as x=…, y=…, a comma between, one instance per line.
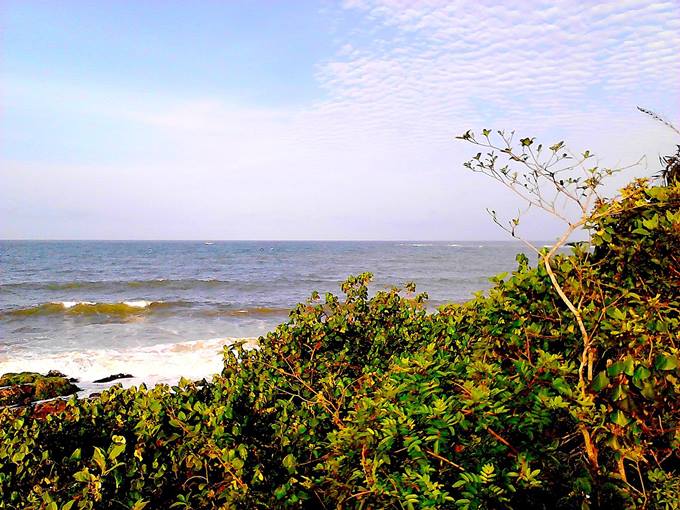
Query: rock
x=43, y=409
x=17, y=394
x=51, y=387
x=25, y=387
x=113, y=378
x=12, y=378
x=57, y=373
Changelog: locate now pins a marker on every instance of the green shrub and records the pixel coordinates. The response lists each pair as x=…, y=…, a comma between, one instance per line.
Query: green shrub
x=371, y=402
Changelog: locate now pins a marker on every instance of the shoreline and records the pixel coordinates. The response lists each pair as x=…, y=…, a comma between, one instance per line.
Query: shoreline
x=164, y=363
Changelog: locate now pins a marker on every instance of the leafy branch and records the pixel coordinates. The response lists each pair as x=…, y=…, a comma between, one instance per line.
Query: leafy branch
x=557, y=181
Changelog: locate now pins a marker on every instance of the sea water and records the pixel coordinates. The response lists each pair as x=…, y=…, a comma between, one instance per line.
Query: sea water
x=160, y=310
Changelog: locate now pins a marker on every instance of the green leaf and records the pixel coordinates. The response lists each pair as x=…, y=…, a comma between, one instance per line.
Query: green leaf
x=642, y=372
x=98, y=458
x=600, y=381
x=619, y=392
x=619, y=418
x=648, y=391
x=628, y=366
x=663, y=362
x=289, y=462
x=83, y=476
x=75, y=456
x=617, y=313
x=652, y=222
x=616, y=368
x=280, y=492
x=116, y=451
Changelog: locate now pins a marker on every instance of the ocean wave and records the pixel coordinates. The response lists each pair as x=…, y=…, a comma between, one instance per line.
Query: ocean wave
x=240, y=312
x=132, y=307
x=160, y=363
x=182, y=284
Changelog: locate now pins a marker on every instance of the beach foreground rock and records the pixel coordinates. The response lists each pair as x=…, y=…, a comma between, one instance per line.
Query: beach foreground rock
x=113, y=377
x=25, y=387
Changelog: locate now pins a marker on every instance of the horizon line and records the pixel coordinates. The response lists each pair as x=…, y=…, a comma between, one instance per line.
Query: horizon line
x=215, y=240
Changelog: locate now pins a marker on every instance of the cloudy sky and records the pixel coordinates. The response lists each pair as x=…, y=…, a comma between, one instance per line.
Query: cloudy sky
x=311, y=120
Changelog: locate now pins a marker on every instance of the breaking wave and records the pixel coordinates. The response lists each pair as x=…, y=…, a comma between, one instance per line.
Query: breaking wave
x=89, y=308
x=161, y=363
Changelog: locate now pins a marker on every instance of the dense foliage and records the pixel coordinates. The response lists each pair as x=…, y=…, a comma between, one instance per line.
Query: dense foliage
x=371, y=402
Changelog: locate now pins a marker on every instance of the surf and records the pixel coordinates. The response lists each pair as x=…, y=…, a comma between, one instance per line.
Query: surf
x=121, y=308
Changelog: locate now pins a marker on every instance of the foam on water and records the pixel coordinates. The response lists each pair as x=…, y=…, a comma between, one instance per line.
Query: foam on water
x=161, y=363
x=140, y=303
x=70, y=304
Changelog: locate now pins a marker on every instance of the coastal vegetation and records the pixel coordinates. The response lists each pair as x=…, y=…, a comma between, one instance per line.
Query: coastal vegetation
x=558, y=388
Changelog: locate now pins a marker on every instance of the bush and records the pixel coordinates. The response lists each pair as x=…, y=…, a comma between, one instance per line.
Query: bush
x=371, y=402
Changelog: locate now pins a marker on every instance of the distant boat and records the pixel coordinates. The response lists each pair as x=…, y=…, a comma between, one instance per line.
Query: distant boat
x=208, y=242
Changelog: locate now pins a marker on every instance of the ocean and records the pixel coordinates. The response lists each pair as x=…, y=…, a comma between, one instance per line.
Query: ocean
x=160, y=310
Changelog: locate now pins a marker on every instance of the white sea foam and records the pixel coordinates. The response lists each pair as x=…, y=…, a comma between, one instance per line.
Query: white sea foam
x=71, y=304
x=161, y=363
x=140, y=303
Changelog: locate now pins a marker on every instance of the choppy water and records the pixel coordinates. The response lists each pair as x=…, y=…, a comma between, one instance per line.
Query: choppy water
x=164, y=309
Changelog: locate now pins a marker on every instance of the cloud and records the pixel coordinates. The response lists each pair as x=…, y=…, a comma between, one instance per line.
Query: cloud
x=375, y=157
x=440, y=66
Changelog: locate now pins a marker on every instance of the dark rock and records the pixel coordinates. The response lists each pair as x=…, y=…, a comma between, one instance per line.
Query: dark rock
x=57, y=373
x=113, y=378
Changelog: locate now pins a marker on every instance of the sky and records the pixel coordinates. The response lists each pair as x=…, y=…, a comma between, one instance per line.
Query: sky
x=312, y=120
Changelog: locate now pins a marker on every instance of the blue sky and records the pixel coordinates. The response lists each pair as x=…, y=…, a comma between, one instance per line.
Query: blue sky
x=310, y=120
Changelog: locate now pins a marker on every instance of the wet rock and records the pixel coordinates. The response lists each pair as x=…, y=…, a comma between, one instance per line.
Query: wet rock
x=51, y=387
x=25, y=387
x=57, y=373
x=113, y=377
